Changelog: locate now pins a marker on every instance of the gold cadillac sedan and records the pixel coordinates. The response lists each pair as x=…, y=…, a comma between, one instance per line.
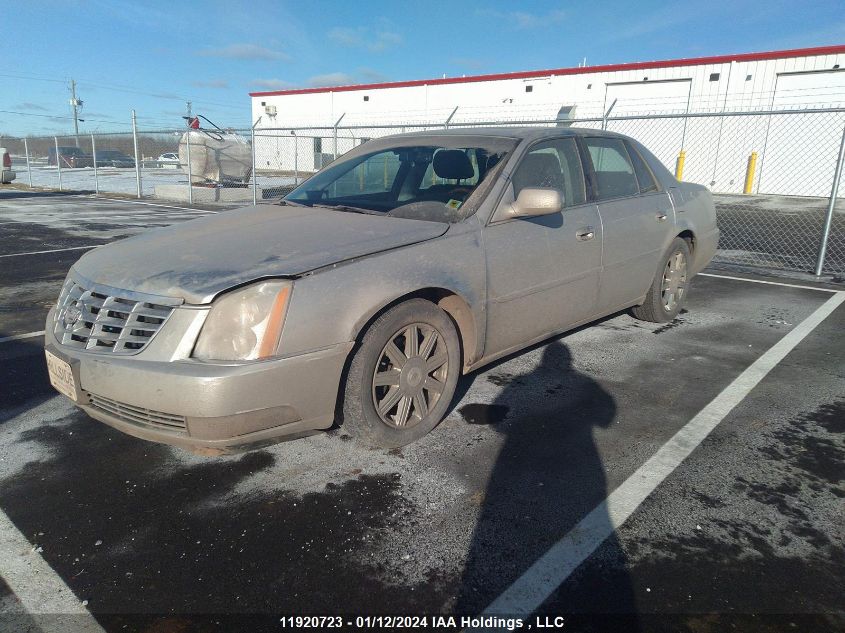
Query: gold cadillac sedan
x=362, y=296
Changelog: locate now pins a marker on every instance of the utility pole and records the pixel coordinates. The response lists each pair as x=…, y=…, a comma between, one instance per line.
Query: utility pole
x=76, y=104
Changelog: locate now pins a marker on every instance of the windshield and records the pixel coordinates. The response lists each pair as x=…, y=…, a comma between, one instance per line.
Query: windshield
x=430, y=181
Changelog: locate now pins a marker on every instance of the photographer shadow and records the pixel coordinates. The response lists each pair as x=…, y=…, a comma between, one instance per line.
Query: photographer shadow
x=548, y=475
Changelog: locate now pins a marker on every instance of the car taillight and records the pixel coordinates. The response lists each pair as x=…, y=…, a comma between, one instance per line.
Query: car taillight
x=7, y=160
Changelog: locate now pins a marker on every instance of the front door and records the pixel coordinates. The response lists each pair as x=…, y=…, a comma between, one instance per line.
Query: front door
x=542, y=272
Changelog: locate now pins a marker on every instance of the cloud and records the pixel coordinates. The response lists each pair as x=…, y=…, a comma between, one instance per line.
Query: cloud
x=27, y=105
x=832, y=33
x=271, y=84
x=211, y=83
x=369, y=75
x=650, y=25
x=525, y=20
x=468, y=62
x=372, y=38
x=244, y=51
x=331, y=79
x=361, y=76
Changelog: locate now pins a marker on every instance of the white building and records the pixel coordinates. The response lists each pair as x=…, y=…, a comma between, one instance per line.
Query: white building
x=716, y=148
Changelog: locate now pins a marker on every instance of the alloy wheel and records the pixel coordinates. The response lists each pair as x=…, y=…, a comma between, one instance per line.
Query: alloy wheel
x=410, y=375
x=674, y=282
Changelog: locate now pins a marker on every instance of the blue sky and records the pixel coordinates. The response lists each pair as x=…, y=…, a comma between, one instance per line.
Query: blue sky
x=153, y=56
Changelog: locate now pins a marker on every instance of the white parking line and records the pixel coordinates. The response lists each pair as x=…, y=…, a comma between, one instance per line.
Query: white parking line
x=531, y=589
x=39, y=588
x=769, y=283
x=55, y=250
x=20, y=337
x=154, y=204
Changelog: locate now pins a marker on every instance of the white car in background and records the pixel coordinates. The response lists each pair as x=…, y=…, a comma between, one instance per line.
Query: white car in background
x=7, y=174
x=168, y=158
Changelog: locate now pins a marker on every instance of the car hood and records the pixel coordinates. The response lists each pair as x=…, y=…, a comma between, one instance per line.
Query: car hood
x=196, y=260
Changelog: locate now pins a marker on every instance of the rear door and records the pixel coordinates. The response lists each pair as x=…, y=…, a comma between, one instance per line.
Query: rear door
x=542, y=272
x=637, y=219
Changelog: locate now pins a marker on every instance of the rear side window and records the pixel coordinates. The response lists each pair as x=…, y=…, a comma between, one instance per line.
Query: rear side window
x=614, y=172
x=552, y=164
x=648, y=184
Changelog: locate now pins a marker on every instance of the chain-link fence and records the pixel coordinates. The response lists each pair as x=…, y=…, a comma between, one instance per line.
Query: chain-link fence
x=139, y=163
x=772, y=172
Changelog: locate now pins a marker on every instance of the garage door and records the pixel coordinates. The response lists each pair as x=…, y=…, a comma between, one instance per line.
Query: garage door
x=801, y=150
x=661, y=136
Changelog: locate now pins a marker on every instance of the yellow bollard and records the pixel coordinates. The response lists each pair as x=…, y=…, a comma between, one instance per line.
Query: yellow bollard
x=679, y=165
x=749, y=172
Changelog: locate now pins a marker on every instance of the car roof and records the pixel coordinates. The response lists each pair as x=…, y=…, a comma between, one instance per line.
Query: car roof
x=521, y=132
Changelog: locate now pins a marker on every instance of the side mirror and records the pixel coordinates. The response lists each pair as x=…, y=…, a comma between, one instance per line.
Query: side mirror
x=534, y=201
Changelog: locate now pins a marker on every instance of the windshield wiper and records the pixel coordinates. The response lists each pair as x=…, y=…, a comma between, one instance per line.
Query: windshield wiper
x=290, y=203
x=346, y=208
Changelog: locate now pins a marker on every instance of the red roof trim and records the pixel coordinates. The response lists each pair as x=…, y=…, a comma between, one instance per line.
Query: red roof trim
x=693, y=61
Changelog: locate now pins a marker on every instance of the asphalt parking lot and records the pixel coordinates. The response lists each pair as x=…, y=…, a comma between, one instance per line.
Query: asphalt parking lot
x=625, y=476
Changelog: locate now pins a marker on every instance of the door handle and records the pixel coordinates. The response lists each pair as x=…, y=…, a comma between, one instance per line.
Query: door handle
x=587, y=233
x=660, y=217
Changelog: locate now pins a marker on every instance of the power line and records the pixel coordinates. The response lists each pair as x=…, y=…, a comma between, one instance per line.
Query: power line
x=126, y=89
x=58, y=116
x=58, y=81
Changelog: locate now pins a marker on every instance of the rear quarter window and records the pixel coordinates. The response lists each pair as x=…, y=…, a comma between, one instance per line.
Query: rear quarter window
x=648, y=183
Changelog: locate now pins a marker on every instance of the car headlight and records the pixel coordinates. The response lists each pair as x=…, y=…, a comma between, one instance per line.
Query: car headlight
x=245, y=324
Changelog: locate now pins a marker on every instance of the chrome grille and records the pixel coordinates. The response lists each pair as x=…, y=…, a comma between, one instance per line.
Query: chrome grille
x=139, y=415
x=107, y=320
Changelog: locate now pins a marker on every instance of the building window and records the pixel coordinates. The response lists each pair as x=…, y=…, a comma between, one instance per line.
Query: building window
x=366, y=97
x=263, y=103
x=589, y=86
x=645, y=78
x=748, y=78
x=714, y=76
x=529, y=88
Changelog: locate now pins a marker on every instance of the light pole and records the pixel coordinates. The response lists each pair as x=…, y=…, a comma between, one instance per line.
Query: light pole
x=75, y=104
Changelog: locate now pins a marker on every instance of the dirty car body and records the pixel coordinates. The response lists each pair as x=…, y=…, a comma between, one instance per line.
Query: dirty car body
x=275, y=321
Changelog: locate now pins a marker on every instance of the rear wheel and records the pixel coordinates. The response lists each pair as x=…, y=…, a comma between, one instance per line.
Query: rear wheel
x=403, y=375
x=668, y=291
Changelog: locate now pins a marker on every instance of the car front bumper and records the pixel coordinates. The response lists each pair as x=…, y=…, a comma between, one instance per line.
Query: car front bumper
x=200, y=405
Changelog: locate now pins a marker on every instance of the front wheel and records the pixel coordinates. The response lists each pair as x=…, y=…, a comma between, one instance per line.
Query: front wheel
x=403, y=375
x=668, y=291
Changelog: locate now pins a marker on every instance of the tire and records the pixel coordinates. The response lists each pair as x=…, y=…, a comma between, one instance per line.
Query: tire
x=412, y=400
x=668, y=291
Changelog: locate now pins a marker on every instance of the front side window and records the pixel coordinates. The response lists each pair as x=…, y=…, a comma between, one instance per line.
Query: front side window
x=552, y=164
x=613, y=169
x=429, y=181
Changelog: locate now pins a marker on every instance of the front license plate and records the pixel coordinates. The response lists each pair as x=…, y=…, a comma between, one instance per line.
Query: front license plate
x=61, y=376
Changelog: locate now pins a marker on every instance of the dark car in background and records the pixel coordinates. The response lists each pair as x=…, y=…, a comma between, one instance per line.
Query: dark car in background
x=69, y=156
x=113, y=158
